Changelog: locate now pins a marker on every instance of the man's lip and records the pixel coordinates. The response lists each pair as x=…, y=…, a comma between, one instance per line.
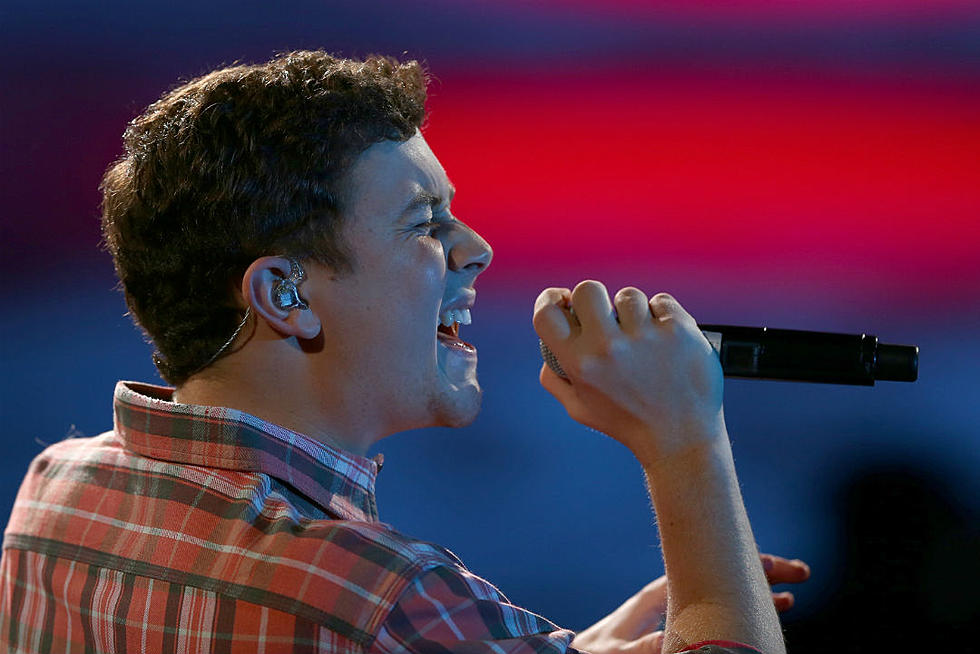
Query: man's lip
x=464, y=300
x=455, y=344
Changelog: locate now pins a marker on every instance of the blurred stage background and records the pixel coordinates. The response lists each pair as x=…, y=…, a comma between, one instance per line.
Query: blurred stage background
x=809, y=165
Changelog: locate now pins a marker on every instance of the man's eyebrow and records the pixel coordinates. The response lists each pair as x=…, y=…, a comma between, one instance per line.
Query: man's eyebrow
x=423, y=198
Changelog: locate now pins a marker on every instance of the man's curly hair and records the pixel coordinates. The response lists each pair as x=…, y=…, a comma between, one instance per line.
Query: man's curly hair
x=243, y=162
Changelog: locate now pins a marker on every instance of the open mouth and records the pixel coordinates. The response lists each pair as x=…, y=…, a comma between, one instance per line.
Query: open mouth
x=452, y=332
x=448, y=335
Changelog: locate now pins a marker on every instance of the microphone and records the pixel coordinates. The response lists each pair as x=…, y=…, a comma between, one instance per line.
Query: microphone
x=795, y=355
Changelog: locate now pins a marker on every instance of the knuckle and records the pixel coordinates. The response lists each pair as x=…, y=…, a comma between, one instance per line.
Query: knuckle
x=666, y=305
x=590, y=283
x=544, y=317
x=630, y=295
x=589, y=287
x=550, y=295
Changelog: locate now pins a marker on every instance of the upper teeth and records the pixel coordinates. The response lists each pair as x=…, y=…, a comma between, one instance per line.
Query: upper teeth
x=462, y=316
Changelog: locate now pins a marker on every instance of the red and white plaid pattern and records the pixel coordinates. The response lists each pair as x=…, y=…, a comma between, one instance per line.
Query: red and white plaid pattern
x=202, y=529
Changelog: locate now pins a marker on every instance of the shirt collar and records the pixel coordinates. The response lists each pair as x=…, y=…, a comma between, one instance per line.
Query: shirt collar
x=150, y=423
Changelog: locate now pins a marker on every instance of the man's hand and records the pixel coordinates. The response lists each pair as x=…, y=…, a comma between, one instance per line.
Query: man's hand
x=641, y=372
x=645, y=375
x=635, y=626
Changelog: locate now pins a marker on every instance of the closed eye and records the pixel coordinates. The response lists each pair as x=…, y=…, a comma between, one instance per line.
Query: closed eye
x=427, y=226
x=425, y=229
x=434, y=223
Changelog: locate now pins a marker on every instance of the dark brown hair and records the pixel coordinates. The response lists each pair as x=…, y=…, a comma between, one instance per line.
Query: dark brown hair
x=243, y=162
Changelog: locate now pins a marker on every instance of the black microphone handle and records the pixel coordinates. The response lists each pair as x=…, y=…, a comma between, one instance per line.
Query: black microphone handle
x=796, y=355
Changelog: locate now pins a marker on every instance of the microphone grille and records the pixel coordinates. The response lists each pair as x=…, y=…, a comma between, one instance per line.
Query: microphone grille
x=552, y=361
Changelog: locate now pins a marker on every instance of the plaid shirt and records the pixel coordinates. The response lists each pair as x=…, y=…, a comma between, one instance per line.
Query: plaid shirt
x=204, y=529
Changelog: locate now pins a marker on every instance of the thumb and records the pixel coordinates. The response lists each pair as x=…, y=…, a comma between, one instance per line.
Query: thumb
x=560, y=388
x=567, y=396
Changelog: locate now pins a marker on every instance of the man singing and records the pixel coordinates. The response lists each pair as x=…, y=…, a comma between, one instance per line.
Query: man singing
x=284, y=235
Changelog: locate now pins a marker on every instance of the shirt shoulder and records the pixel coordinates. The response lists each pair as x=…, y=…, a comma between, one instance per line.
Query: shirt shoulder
x=240, y=534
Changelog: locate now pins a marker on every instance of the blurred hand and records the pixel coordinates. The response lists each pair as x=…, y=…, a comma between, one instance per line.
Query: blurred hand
x=649, y=379
x=634, y=627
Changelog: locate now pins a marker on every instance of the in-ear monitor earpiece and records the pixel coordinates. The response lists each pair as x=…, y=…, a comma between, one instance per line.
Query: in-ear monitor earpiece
x=285, y=291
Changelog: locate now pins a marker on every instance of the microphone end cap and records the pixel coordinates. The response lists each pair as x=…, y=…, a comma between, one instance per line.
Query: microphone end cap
x=897, y=363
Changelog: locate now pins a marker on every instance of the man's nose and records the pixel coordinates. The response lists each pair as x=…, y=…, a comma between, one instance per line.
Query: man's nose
x=468, y=251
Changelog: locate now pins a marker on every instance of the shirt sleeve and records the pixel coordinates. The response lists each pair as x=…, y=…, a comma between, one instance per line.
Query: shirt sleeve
x=449, y=610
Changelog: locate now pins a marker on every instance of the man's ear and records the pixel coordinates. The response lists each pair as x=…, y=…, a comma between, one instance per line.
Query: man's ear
x=259, y=286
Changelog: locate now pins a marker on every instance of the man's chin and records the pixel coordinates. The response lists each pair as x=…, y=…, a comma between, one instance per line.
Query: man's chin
x=459, y=407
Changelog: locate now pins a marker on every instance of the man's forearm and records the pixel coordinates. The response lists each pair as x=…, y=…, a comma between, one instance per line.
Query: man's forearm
x=716, y=586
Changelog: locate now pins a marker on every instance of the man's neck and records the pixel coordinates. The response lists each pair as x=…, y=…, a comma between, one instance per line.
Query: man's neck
x=275, y=402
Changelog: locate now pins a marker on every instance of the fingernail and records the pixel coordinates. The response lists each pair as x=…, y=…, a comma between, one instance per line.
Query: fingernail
x=767, y=563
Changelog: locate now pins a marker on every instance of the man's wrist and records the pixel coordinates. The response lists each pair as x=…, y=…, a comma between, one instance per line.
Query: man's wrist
x=683, y=446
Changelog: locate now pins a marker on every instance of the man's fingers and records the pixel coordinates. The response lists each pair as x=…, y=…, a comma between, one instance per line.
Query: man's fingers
x=632, y=308
x=665, y=307
x=783, y=601
x=552, y=319
x=784, y=571
x=553, y=295
x=780, y=570
x=560, y=388
x=593, y=308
